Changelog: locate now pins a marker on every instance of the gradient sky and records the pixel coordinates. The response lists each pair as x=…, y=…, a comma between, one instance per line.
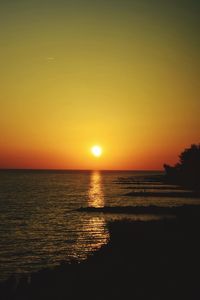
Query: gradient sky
x=120, y=73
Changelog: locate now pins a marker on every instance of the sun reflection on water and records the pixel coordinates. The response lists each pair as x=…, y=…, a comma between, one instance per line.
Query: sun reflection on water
x=92, y=230
x=95, y=193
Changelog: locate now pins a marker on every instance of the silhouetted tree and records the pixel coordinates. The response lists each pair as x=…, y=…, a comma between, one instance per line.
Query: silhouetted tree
x=187, y=170
x=190, y=159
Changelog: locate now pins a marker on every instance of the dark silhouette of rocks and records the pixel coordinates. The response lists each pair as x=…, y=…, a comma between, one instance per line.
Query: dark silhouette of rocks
x=184, y=194
x=187, y=171
x=182, y=210
x=154, y=260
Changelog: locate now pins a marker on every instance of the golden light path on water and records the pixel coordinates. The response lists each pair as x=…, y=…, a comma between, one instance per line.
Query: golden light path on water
x=97, y=224
x=94, y=232
x=95, y=193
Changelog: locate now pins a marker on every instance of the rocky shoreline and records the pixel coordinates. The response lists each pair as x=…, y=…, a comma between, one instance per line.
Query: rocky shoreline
x=142, y=260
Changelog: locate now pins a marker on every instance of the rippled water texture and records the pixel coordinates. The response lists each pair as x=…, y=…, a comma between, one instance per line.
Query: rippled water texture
x=39, y=225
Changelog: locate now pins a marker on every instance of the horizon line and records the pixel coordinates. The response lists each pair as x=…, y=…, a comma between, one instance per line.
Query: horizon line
x=55, y=169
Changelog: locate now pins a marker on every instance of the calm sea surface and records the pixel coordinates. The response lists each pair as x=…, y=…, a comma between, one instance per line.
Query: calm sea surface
x=39, y=224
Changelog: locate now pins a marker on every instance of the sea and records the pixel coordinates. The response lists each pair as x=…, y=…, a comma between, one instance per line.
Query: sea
x=41, y=227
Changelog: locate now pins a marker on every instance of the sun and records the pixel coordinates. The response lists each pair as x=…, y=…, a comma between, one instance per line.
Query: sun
x=96, y=151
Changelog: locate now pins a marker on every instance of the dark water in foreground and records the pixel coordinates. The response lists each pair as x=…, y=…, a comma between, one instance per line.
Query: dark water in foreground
x=39, y=225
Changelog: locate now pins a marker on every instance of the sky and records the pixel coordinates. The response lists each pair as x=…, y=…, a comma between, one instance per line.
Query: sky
x=122, y=74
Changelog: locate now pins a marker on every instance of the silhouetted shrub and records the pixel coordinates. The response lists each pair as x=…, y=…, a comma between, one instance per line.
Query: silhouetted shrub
x=187, y=170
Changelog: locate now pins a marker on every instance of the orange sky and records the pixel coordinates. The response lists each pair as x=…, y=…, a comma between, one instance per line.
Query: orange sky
x=121, y=74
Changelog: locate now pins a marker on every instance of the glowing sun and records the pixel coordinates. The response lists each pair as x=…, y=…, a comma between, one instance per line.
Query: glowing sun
x=96, y=150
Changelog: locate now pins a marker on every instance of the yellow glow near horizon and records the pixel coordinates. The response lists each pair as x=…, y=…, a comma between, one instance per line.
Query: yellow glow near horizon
x=96, y=151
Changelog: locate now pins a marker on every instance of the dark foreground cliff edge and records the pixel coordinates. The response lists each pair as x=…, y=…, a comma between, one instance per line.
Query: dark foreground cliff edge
x=143, y=260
